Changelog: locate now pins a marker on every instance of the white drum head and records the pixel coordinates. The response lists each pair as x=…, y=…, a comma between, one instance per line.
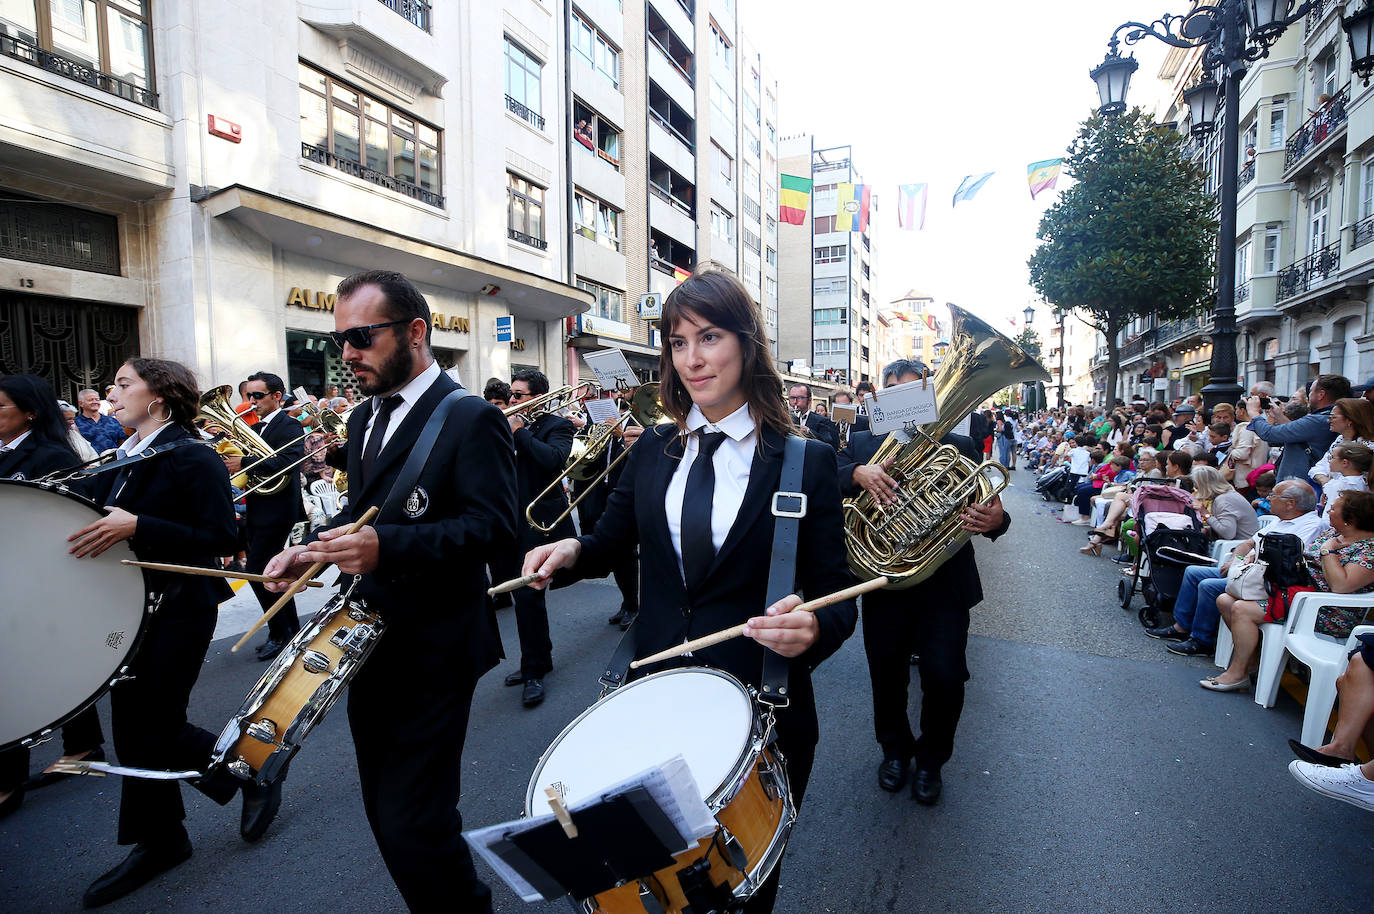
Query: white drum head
x=703, y=715
x=67, y=625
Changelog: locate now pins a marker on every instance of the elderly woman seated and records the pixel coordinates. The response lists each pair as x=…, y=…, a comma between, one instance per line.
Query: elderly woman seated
x=1330, y=769
x=1341, y=560
x=1224, y=512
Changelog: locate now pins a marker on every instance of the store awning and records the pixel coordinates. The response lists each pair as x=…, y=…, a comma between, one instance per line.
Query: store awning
x=311, y=232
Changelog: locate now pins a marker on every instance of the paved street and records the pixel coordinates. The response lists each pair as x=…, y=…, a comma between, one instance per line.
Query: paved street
x=1090, y=774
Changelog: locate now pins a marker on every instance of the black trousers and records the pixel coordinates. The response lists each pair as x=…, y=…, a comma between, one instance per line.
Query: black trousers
x=410, y=767
x=897, y=624
x=532, y=614
x=263, y=543
x=626, y=570
x=79, y=735
x=148, y=715
x=800, y=757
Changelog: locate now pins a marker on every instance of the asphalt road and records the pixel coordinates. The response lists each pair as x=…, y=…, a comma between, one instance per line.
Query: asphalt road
x=1091, y=773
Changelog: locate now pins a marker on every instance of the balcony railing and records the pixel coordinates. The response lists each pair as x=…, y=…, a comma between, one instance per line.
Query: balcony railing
x=348, y=166
x=1318, y=127
x=1243, y=291
x=19, y=49
x=1247, y=174
x=532, y=241
x=667, y=125
x=1169, y=331
x=1364, y=232
x=416, y=12
x=1135, y=346
x=534, y=119
x=1309, y=272
x=672, y=60
x=1317, y=13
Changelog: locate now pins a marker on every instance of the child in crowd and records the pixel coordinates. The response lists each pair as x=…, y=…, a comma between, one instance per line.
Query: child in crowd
x=1264, y=484
x=1350, y=471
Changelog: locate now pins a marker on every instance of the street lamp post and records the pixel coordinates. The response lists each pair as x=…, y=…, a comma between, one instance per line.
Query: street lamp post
x=1030, y=395
x=1232, y=33
x=1059, y=313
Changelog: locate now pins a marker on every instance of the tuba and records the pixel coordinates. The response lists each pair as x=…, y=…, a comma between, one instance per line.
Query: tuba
x=907, y=541
x=238, y=437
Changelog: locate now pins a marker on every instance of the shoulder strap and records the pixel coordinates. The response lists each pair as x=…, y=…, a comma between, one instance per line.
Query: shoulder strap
x=789, y=507
x=419, y=455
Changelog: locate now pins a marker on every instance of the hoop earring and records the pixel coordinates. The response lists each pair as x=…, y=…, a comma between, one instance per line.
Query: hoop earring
x=162, y=421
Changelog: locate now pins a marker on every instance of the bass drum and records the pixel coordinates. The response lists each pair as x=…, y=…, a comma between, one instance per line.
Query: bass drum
x=68, y=626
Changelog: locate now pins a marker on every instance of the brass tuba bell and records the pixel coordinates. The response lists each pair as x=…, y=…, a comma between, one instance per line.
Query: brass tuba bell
x=238, y=437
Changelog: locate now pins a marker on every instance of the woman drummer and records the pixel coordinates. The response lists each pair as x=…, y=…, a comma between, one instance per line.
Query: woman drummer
x=33, y=443
x=702, y=523
x=173, y=507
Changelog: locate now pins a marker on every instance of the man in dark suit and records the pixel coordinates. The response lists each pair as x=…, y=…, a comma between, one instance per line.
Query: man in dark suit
x=270, y=516
x=799, y=401
x=423, y=568
x=542, y=446
x=860, y=423
x=591, y=495
x=930, y=620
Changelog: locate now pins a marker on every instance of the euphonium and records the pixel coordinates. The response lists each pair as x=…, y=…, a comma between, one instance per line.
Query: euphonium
x=909, y=540
x=238, y=435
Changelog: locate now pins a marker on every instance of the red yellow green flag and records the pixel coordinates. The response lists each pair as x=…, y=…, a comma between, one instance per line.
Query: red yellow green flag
x=794, y=198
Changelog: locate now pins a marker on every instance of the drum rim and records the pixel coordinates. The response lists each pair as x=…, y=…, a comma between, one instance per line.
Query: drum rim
x=729, y=786
x=135, y=642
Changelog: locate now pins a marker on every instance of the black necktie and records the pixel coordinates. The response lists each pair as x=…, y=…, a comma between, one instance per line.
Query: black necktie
x=374, y=440
x=698, y=550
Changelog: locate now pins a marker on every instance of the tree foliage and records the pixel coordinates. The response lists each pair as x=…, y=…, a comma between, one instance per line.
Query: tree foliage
x=1028, y=340
x=1134, y=236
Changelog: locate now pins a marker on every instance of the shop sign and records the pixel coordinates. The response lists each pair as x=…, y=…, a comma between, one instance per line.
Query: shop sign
x=650, y=306
x=306, y=298
x=518, y=344
x=602, y=326
x=452, y=322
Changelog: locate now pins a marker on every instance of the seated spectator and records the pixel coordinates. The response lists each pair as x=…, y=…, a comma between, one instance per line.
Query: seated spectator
x=79, y=444
x=1194, y=629
x=102, y=431
x=1349, y=470
x=1080, y=458
x=1089, y=488
x=1263, y=487
x=1352, y=783
x=1340, y=560
x=1224, y=512
x=1352, y=419
x=1178, y=464
x=1355, y=689
x=1147, y=464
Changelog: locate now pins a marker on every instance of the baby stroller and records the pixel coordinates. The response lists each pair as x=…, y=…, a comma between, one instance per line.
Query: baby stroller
x=1056, y=484
x=1172, y=538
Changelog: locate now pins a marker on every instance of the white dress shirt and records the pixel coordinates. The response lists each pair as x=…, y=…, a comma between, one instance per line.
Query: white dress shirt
x=136, y=445
x=14, y=445
x=1307, y=527
x=1338, y=484
x=410, y=394
x=732, y=460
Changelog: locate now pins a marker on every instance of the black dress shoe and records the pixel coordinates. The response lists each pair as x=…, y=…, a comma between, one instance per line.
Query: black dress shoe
x=514, y=679
x=1307, y=754
x=46, y=778
x=629, y=620
x=144, y=863
x=1167, y=633
x=260, y=805
x=617, y=618
x=1191, y=647
x=270, y=649
x=926, y=787
x=12, y=802
x=533, y=693
x=892, y=774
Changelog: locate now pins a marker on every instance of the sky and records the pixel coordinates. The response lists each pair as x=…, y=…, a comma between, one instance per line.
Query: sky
x=931, y=91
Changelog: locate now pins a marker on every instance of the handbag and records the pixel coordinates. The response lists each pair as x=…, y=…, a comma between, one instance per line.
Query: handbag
x=1246, y=580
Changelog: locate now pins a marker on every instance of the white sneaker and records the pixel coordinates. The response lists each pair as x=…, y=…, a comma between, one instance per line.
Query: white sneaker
x=1346, y=783
x=1081, y=523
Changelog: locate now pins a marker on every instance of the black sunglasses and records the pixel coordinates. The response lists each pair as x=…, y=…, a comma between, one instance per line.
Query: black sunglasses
x=361, y=337
x=257, y=394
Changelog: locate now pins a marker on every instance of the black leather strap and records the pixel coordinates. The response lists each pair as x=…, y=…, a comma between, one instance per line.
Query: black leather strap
x=789, y=506
x=419, y=455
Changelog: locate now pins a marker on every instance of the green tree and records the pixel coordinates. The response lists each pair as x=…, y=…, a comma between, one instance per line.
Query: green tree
x=1028, y=340
x=1134, y=236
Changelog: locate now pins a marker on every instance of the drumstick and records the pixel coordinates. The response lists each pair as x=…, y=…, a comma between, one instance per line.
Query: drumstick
x=512, y=584
x=300, y=583
x=735, y=631
x=214, y=572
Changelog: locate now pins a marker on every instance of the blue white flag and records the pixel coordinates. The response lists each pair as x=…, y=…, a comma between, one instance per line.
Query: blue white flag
x=970, y=186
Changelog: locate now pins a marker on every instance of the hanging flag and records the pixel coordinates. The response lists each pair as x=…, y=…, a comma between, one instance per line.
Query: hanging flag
x=1042, y=175
x=911, y=206
x=680, y=275
x=794, y=197
x=930, y=322
x=851, y=208
x=970, y=186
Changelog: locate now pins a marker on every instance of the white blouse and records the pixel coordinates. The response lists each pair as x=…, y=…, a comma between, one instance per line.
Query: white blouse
x=732, y=461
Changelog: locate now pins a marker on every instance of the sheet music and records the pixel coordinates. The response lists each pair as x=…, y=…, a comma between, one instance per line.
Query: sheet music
x=601, y=410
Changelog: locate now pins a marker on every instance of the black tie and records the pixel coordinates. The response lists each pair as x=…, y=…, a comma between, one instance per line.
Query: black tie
x=698, y=549
x=374, y=440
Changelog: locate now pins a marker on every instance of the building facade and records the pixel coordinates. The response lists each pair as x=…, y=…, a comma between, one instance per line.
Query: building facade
x=908, y=328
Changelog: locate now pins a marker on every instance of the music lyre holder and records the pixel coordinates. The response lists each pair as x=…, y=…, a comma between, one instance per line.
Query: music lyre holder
x=619, y=838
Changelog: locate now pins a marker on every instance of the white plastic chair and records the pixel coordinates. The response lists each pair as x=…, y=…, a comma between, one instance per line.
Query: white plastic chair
x=1267, y=520
x=328, y=495
x=1323, y=655
x=1221, y=550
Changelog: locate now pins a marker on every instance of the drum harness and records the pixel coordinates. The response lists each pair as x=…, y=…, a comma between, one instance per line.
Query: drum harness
x=788, y=508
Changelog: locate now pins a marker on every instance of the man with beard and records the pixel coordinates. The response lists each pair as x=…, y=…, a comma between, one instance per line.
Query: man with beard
x=424, y=571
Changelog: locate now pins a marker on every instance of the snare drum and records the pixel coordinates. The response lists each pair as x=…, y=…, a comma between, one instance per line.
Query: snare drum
x=68, y=626
x=298, y=689
x=711, y=720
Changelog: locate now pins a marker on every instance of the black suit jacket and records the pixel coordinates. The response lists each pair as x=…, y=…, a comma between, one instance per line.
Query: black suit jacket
x=185, y=511
x=956, y=581
x=594, y=502
x=541, y=455
x=280, y=509
x=430, y=582
x=736, y=587
x=36, y=457
x=822, y=429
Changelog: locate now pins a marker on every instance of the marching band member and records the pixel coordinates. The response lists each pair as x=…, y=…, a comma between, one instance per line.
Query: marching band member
x=799, y=399
x=589, y=510
x=424, y=571
x=694, y=497
x=178, y=508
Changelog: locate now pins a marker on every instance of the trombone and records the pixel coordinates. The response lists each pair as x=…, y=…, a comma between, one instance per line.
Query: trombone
x=556, y=400
x=331, y=423
x=237, y=437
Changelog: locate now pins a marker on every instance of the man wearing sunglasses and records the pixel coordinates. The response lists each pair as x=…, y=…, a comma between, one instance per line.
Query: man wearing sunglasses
x=270, y=517
x=423, y=568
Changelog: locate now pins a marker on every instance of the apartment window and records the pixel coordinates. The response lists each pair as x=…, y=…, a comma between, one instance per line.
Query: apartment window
x=722, y=162
x=770, y=287
x=751, y=241
x=723, y=102
x=522, y=84
x=1243, y=263
x=599, y=53
x=751, y=109
x=770, y=257
x=751, y=207
x=610, y=304
x=106, y=44
x=1367, y=189
x=597, y=221
x=721, y=50
x=754, y=80
x=1327, y=72
x=1249, y=140
x=831, y=347
x=598, y=135
x=722, y=224
x=525, y=212
x=750, y=174
x=1318, y=216
x=358, y=134
x=824, y=225
x=830, y=253
x=831, y=316
x=772, y=224
x=1278, y=123
x=1271, y=250
x=830, y=286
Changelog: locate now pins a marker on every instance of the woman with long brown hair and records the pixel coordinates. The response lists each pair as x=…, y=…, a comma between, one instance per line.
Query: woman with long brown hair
x=694, y=498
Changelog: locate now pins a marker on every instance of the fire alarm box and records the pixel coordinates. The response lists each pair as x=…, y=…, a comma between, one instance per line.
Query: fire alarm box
x=225, y=130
